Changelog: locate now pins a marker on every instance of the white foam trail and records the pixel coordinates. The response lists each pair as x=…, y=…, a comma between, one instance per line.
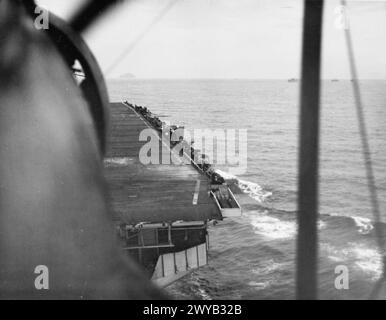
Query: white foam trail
x=321, y=224
x=203, y=294
x=363, y=257
x=124, y=161
x=271, y=227
x=259, y=285
x=369, y=260
x=254, y=190
x=269, y=267
x=226, y=175
x=335, y=254
x=274, y=228
x=364, y=225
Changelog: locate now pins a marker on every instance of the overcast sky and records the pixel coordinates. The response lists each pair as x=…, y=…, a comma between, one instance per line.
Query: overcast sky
x=230, y=38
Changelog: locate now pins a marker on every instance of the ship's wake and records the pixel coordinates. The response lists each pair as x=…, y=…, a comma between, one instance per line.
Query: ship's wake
x=261, y=247
x=253, y=189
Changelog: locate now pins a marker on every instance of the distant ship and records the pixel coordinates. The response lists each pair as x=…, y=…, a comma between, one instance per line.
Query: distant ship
x=334, y=80
x=293, y=80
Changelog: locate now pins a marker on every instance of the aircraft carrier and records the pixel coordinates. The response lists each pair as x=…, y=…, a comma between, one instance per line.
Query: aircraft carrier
x=161, y=211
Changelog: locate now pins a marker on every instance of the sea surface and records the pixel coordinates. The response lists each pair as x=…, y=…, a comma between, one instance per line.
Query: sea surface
x=253, y=257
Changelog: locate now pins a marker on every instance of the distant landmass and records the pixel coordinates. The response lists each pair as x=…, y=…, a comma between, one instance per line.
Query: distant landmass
x=127, y=76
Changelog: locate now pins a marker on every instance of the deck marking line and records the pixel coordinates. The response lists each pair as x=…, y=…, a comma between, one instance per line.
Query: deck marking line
x=196, y=191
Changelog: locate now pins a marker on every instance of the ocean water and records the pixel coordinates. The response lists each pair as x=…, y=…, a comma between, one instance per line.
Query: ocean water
x=253, y=257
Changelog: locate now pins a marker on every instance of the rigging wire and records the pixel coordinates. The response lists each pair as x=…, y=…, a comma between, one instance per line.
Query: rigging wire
x=367, y=159
x=134, y=43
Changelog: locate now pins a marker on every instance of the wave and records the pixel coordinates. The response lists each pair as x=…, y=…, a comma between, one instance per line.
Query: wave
x=269, y=267
x=365, y=258
x=271, y=227
x=275, y=228
x=282, y=225
x=254, y=190
x=280, y=228
x=203, y=294
x=259, y=285
x=122, y=161
x=364, y=225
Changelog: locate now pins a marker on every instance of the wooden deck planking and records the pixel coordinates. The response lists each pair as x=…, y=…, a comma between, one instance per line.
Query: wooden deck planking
x=154, y=192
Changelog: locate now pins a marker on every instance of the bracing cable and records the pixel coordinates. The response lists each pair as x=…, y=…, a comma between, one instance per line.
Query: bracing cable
x=133, y=44
x=367, y=159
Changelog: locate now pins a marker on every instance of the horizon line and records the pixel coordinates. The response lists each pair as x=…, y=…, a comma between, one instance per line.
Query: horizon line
x=236, y=78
